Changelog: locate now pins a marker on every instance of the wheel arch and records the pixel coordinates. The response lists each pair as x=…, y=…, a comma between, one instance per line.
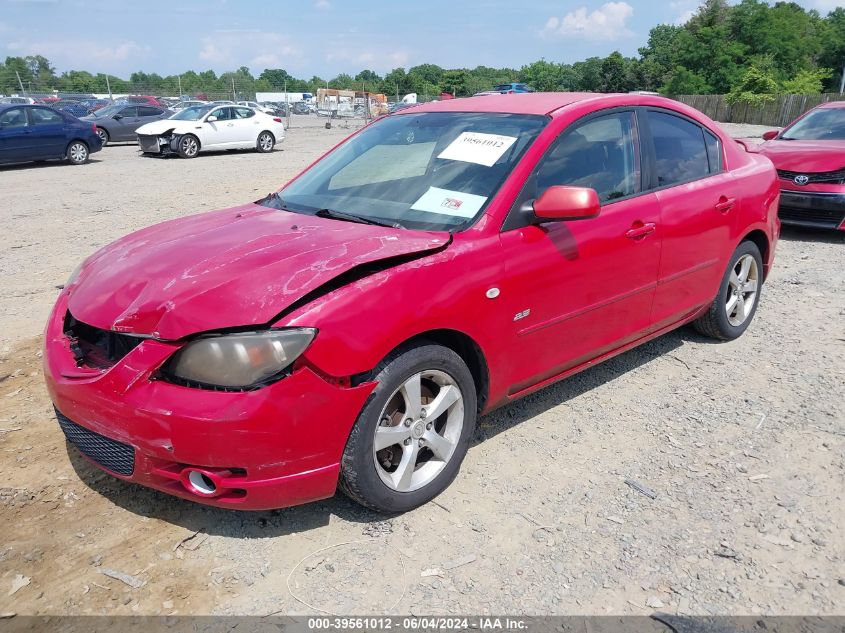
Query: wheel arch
x=761, y=240
x=465, y=347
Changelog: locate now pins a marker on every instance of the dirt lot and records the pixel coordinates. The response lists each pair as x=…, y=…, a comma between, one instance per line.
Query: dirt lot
x=744, y=444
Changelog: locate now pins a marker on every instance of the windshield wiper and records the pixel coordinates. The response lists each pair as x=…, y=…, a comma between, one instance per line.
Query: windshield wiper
x=351, y=217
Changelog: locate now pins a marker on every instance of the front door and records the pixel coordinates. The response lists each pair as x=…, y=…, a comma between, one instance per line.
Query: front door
x=578, y=289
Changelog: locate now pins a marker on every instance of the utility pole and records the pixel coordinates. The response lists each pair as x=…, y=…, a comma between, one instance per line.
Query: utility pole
x=234, y=98
x=108, y=87
x=179, y=79
x=20, y=83
x=842, y=83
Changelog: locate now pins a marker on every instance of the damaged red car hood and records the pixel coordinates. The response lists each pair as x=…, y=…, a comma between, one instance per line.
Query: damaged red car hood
x=805, y=156
x=236, y=267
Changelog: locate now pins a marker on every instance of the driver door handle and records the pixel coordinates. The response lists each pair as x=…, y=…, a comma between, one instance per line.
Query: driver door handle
x=640, y=231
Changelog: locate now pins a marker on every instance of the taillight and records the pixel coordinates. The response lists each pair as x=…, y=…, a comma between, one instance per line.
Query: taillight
x=94, y=128
x=277, y=119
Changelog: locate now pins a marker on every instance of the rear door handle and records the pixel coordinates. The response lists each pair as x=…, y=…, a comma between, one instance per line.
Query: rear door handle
x=641, y=231
x=725, y=204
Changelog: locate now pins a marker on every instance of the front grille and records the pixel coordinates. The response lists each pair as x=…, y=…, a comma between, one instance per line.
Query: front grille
x=97, y=348
x=823, y=218
x=830, y=177
x=108, y=453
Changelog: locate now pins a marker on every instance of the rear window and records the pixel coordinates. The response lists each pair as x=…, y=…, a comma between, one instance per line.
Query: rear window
x=679, y=147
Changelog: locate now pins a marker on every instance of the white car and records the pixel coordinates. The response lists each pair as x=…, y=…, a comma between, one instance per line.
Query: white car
x=257, y=106
x=208, y=128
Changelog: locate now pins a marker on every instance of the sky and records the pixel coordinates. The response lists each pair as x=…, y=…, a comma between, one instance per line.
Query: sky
x=328, y=37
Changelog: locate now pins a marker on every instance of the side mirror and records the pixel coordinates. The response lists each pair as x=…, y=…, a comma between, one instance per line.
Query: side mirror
x=771, y=134
x=211, y=119
x=117, y=117
x=567, y=203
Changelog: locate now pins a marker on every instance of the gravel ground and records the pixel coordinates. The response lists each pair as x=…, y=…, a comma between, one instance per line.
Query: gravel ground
x=743, y=444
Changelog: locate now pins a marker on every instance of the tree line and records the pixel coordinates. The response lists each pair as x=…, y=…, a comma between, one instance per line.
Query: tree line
x=751, y=50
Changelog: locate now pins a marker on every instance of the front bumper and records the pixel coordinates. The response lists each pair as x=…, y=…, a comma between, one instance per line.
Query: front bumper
x=812, y=209
x=270, y=448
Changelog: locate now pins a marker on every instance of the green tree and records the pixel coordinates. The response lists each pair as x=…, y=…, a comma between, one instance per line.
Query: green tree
x=757, y=86
x=807, y=82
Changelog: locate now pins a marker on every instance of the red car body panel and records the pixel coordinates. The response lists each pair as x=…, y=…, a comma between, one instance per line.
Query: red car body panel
x=813, y=204
x=570, y=295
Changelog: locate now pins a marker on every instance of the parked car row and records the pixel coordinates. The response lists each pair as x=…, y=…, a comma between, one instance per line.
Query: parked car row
x=35, y=132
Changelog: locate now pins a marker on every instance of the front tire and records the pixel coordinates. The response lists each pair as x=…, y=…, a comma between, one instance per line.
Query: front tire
x=104, y=136
x=189, y=146
x=265, y=143
x=731, y=312
x=77, y=153
x=410, y=438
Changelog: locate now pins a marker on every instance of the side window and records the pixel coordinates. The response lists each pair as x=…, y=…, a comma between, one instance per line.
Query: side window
x=129, y=111
x=600, y=154
x=44, y=116
x=244, y=113
x=679, y=148
x=148, y=111
x=223, y=114
x=16, y=117
x=714, y=152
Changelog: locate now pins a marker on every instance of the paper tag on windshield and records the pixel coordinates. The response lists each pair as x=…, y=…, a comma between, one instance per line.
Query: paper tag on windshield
x=454, y=203
x=475, y=147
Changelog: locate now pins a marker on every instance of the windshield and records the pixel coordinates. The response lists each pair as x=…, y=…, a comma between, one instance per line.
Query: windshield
x=433, y=171
x=827, y=124
x=193, y=113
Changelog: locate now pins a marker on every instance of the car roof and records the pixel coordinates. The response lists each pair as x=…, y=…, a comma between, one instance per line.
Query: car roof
x=542, y=103
x=833, y=104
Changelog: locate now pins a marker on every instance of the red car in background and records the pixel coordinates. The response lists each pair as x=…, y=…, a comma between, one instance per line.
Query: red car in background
x=809, y=156
x=144, y=99
x=347, y=330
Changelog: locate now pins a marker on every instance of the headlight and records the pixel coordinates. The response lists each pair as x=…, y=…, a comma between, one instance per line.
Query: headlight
x=236, y=361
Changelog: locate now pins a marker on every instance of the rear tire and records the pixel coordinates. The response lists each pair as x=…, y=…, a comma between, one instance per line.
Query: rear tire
x=104, y=136
x=731, y=312
x=77, y=153
x=265, y=143
x=189, y=146
x=422, y=413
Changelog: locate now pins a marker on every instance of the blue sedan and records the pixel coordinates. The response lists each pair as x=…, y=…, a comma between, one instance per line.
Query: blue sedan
x=33, y=132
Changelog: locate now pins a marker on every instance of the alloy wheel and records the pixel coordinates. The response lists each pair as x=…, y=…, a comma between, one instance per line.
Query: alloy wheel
x=266, y=142
x=190, y=146
x=419, y=429
x=742, y=290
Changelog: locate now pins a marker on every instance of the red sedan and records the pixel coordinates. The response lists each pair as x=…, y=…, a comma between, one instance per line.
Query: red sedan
x=810, y=159
x=346, y=331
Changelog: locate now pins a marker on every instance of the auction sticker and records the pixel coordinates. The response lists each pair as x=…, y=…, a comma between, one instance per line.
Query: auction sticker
x=454, y=203
x=479, y=148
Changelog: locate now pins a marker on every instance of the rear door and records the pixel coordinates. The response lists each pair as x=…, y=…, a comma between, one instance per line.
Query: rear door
x=16, y=138
x=246, y=125
x=49, y=132
x=699, y=202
